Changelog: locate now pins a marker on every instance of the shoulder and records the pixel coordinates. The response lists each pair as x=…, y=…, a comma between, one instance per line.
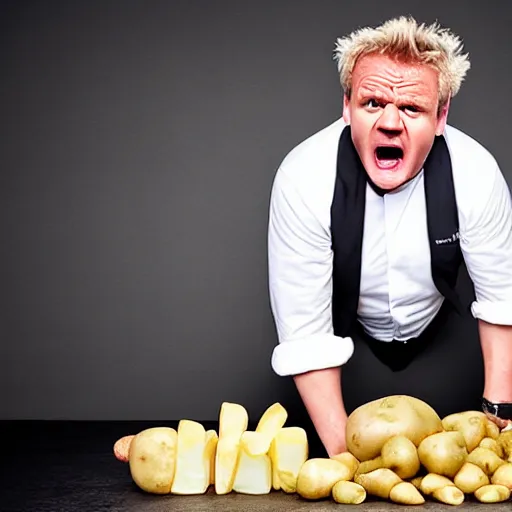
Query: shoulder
x=310, y=168
x=476, y=173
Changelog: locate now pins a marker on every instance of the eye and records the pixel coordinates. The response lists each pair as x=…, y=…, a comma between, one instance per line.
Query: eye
x=373, y=103
x=410, y=108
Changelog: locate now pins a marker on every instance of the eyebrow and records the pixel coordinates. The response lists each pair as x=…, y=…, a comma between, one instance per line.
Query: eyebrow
x=417, y=101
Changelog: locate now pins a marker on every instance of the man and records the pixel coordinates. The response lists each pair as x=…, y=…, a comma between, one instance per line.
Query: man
x=370, y=221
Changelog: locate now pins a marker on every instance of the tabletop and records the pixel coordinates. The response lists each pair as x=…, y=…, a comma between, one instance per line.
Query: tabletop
x=61, y=466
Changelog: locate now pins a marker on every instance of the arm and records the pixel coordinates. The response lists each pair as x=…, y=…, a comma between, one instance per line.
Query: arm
x=487, y=247
x=300, y=272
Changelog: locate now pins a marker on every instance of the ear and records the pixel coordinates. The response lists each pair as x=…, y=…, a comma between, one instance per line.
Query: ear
x=442, y=118
x=346, y=109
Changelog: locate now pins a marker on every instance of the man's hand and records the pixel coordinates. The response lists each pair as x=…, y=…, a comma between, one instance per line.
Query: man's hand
x=320, y=391
x=503, y=424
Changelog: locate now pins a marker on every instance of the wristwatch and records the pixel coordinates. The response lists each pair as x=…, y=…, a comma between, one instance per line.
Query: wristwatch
x=500, y=410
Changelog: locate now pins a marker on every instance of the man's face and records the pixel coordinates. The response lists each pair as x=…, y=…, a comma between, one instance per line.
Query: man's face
x=393, y=113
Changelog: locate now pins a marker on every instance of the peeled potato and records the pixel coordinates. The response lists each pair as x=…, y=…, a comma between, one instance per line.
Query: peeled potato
x=317, y=477
x=372, y=424
x=443, y=453
x=153, y=459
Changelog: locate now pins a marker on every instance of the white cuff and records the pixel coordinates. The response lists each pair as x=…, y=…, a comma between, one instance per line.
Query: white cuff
x=315, y=352
x=493, y=312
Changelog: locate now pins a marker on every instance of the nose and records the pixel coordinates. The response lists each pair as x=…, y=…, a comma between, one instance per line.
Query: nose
x=390, y=119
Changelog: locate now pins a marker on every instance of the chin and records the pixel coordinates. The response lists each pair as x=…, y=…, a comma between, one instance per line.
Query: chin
x=387, y=179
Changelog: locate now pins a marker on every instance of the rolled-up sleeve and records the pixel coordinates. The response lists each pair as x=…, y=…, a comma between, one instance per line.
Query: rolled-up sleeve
x=487, y=247
x=300, y=285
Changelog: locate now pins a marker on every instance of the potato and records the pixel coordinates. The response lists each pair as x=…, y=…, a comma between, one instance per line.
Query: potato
x=472, y=425
x=152, y=459
x=417, y=482
x=493, y=431
x=348, y=493
x=372, y=424
x=505, y=443
x=470, y=478
x=317, y=477
x=492, y=493
x=378, y=482
x=349, y=460
x=492, y=444
x=431, y=482
x=451, y=495
x=503, y=475
x=443, y=453
x=405, y=493
x=485, y=459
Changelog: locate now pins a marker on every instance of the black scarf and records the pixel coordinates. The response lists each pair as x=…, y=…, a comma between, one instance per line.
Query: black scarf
x=347, y=223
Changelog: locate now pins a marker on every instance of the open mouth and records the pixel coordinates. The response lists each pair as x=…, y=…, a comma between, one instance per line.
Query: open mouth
x=388, y=157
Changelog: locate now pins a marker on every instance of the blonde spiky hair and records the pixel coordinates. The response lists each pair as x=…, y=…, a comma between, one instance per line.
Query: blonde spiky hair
x=404, y=38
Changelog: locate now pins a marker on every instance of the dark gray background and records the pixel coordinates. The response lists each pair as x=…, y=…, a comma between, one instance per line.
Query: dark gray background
x=139, y=141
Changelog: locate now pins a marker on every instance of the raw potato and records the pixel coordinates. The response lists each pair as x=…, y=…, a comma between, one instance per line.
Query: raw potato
x=443, y=453
x=485, y=459
x=505, y=443
x=405, y=493
x=450, y=495
x=348, y=493
x=470, y=478
x=398, y=454
x=122, y=448
x=378, y=482
x=317, y=477
x=492, y=493
x=492, y=444
x=153, y=459
x=372, y=424
x=493, y=431
x=503, y=475
x=417, y=482
x=432, y=482
x=472, y=425
x=349, y=460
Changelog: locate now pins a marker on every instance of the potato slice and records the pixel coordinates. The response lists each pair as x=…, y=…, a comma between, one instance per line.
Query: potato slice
x=254, y=471
x=492, y=493
x=289, y=450
x=152, y=460
x=212, y=439
x=233, y=421
x=272, y=420
x=192, y=462
x=348, y=493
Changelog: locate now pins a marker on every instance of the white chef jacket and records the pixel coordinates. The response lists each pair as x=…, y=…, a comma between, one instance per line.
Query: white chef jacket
x=398, y=298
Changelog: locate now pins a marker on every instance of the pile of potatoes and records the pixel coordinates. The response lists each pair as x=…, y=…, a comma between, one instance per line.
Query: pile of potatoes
x=398, y=449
